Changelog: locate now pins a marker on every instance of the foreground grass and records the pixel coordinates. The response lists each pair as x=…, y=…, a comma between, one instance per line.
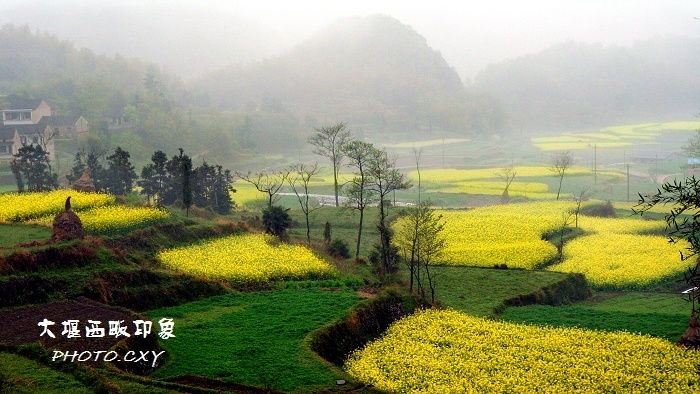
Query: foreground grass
x=660, y=315
x=254, y=338
x=13, y=234
x=478, y=291
x=21, y=375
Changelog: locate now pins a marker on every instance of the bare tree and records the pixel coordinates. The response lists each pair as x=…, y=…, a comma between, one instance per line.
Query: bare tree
x=360, y=155
x=507, y=174
x=583, y=195
x=268, y=183
x=560, y=163
x=417, y=156
x=565, y=222
x=385, y=178
x=299, y=178
x=329, y=141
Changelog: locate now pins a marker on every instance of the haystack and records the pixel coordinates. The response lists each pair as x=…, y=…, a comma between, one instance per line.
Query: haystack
x=84, y=183
x=67, y=225
x=691, y=338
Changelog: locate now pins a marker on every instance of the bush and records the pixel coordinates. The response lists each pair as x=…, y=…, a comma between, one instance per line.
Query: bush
x=338, y=248
x=601, y=210
x=276, y=220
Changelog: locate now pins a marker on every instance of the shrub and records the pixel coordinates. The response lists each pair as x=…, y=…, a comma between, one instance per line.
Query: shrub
x=602, y=210
x=338, y=248
x=276, y=220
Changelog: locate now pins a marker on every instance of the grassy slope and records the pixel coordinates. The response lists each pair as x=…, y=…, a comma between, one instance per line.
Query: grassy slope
x=657, y=314
x=478, y=291
x=254, y=338
x=21, y=375
x=12, y=234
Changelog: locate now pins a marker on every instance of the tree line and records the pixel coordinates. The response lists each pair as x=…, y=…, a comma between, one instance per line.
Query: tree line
x=164, y=181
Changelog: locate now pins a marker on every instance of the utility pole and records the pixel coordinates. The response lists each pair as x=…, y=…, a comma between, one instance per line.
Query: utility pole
x=595, y=164
x=628, y=182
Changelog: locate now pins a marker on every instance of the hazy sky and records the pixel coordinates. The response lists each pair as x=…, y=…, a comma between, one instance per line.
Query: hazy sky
x=469, y=34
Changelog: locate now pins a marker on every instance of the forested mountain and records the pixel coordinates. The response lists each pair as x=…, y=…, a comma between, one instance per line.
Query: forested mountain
x=75, y=80
x=371, y=71
x=575, y=85
x=78, y=81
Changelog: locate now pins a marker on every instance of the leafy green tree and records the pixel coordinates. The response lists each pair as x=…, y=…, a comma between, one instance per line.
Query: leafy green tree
x=120, y=174
x=31, y=168
x=154, y=177
x=329, y=142
x=146, y=182
x=173, y=188
x=276, y=220
x=78, y=167
x=98, y=174
x=212, y=188
x=683, y=223
x=420, y=240
x=692, y=147
x=186, y=182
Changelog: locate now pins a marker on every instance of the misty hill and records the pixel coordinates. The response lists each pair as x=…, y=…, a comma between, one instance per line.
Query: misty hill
x=574, y=85
x=371, y=71
x=76, y=81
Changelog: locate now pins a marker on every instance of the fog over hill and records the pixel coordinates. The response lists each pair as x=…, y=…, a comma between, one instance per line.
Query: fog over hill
x=367, y=70
x=573, y=85
x=376, y=71
x=192, y=37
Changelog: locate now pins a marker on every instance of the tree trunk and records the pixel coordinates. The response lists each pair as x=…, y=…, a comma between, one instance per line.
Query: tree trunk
x=359, y=234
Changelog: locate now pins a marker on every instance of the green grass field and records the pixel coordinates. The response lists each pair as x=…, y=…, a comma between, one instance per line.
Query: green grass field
x=255, y=338
x=478, y=291
x=21, y=375
x=12, y=234
x=661, y=315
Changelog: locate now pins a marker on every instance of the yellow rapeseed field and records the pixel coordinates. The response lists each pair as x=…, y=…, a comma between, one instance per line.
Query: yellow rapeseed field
x=617, y=253
x=486, y=181
x=620, y=253
x=504, y=234
x=19, y=207
x=450, y=352
x=113, y=218
x=120, y=218
x=611, y=137
x=248, y=258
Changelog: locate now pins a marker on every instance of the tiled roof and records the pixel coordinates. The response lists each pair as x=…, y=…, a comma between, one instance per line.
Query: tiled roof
x=24, y=104
x=7, y=133
x=23, y=129
x=59, y=120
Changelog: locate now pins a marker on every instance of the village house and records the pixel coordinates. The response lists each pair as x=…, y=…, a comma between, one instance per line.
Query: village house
x=31, y=122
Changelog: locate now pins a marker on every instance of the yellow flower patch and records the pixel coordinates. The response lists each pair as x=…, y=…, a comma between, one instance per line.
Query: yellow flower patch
x=504, y=234
x=247, y=258
x=616, y=253
x=19, y=207
x=450, y=352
